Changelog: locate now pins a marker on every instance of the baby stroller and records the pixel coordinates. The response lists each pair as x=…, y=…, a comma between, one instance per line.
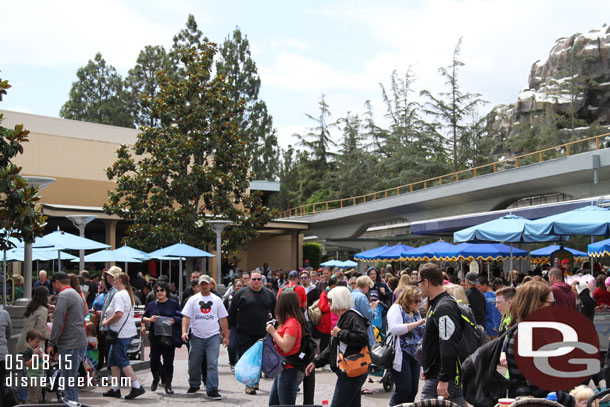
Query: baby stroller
x=134, y=350
x=384, y=375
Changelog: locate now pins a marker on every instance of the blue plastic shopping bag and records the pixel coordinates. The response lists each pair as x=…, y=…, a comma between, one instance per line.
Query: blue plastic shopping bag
x=248, y=367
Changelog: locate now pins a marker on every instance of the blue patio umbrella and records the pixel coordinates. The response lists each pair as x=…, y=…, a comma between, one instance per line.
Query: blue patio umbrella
x=370, y=254
x=427, y=252
x=348, y=263
x=37, y=254
x=67, y=241
x=599, y=249
x=107, y=256
x=481, y=252
x=543, y=256
x=179, y=250
x=588, y=220
x=392, y=253
x=131, y=252
x=508, y=228
x=331, y=263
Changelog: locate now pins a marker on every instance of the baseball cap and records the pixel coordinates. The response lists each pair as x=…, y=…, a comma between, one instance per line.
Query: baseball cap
x=293, y=274
x=565, y=261
x=205, y=279
x=59, y=275
x=373, y=295
x=472, y=277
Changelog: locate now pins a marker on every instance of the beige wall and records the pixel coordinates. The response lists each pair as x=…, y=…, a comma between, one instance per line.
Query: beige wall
x=277, y=250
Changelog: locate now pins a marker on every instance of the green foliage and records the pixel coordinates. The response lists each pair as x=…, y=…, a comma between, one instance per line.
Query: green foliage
x=313, y=252
x=143, y=84
x=451, y=109
x=98, y=96
x=20, y=214
x=192, y=165
x=254, y=123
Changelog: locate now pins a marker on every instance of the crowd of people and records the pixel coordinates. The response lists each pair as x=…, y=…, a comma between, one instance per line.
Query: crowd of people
x=88, y=324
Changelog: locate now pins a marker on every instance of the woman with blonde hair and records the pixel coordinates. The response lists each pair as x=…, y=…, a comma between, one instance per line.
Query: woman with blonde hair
x=120, y=318
x=406, y=323
x=457, y=291
x=404, y=281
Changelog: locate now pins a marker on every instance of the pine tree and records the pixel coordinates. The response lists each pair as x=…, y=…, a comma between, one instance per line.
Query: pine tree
x=452, y=108
x=143, y=84
x=255, y=123
x=98, y=96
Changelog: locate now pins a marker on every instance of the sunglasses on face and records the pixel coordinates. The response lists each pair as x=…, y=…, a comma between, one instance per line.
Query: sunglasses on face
x=256, y=279
x=304, y=278
x=160, y=291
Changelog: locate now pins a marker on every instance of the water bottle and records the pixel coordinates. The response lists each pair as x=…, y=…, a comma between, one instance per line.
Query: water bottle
x=552, y=396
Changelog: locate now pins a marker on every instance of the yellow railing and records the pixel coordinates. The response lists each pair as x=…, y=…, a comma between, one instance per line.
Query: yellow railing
x=573, y=147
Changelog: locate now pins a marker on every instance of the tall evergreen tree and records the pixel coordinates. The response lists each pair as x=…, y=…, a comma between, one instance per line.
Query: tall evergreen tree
x=143, y=84
x=315, y=163
x=354, y=172
x=452, y=108
x=255, y=123
x=98, y=96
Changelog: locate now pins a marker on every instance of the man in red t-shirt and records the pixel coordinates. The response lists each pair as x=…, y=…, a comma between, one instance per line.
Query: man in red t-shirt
x=293, y=284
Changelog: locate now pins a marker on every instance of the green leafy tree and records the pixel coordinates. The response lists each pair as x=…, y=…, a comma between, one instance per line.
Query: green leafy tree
x=20, y=214
x=143, y=84
x=255, y=123
x=98, y=96
x=189, y=37
x=452, y=108
x=191, y=166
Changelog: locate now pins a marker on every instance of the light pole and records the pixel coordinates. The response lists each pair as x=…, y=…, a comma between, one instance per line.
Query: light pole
x=80, y=222
x=218, y=226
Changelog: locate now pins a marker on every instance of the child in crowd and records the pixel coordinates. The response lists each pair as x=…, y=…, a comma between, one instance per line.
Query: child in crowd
x=582, y=394
x=92, y=355
x=34, y=366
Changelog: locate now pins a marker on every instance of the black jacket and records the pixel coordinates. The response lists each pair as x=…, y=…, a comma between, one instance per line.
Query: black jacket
x=441, y=337
x=313, y=296
x=478, y=304
x=353, y=333
x=250, y=310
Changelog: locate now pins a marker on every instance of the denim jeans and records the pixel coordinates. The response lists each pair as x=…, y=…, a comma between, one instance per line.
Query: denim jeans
x=455, y=392
x=70, y=360
x=407, y=381
x=347, y=391
x=210, y=347
x=284, y=388
x=233, y=346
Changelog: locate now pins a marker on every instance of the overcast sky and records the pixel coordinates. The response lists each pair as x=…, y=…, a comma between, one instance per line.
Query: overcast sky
x=342, y=49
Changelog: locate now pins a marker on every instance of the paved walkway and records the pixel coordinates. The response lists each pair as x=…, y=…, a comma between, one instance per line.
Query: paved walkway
x=231, y=390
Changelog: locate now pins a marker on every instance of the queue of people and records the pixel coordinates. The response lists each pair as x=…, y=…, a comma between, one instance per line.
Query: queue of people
x=420, y=313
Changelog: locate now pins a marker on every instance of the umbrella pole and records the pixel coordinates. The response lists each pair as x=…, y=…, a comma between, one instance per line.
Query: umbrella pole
x=4, y=282
x=488, y=272
x=180, y=279
x=511, y=264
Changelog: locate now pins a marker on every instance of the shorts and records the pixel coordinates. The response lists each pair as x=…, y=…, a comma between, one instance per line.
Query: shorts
x=117, y=356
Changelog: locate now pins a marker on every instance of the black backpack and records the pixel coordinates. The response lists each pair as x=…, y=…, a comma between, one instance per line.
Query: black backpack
x=482, y=384
x=473, y=335
x=307, y=352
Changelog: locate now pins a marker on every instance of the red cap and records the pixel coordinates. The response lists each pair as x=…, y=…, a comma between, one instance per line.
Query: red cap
x=565, y=261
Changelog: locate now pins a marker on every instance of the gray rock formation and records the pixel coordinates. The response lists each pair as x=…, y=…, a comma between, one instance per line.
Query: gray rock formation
x=574, y=77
